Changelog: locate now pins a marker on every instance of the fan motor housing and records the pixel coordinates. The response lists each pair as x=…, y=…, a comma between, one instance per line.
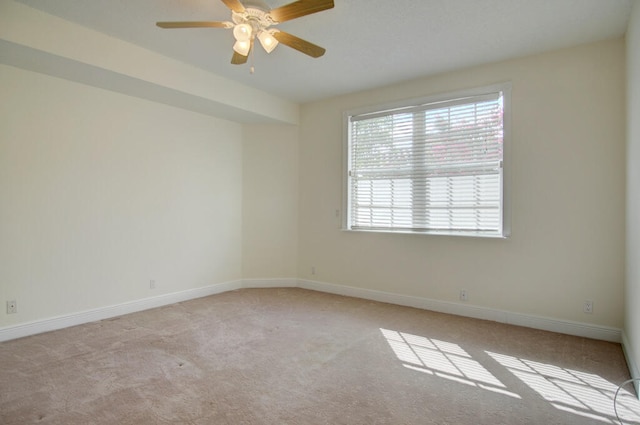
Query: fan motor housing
x=257, y=18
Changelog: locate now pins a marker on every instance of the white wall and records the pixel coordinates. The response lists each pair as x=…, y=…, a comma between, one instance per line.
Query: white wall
x=632, y=295
x=567, y=242
x=270, y=202
x=34, y=40
x=102, y=192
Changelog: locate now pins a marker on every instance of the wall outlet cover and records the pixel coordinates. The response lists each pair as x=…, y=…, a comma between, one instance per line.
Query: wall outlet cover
x=12, y=307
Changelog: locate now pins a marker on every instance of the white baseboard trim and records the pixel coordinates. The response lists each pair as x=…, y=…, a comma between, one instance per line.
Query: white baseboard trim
x=60, y=322
x=629, y=355
x=536, y=322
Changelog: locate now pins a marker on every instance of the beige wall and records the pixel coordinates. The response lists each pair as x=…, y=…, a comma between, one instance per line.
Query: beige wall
x=270, y=202
x=567, y=192
x=102, y=192
x=632, y=295
x=37, y=41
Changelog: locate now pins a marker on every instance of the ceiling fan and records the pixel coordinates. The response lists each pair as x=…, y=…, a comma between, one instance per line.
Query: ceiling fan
x=254, y=19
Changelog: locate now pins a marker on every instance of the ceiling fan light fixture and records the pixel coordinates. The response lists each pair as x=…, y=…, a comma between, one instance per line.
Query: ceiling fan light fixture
x=253, y=19
x=242, y=32
x=242, y=47
x=267, y=40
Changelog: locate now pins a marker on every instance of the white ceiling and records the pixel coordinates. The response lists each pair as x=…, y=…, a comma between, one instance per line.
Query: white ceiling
x=369, y=43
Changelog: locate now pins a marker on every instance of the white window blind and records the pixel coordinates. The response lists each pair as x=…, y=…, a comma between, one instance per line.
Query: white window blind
x=434, y=167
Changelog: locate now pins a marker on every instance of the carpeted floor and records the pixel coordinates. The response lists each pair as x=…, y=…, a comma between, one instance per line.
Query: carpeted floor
x=292, y=356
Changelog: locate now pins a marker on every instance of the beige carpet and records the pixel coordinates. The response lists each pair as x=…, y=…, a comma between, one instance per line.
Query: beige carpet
x=292, y=356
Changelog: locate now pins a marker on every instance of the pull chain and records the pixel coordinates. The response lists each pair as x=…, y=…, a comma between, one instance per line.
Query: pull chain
x=251, y=69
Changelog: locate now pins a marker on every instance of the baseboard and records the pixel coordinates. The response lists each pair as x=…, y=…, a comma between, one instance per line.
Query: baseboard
x=536, y=322
x=60, y=322
x=631, y=362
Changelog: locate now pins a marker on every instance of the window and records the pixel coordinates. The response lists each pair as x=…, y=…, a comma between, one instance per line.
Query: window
x=430, y=166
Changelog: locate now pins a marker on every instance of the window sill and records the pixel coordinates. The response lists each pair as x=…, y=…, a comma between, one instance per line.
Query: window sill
x=468, y=234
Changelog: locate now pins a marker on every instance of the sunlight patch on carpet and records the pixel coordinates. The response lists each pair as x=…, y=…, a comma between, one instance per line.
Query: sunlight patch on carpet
x=580, y=393
x=443, y=359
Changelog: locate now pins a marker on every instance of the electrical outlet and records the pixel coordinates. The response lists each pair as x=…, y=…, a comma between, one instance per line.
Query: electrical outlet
x=463, y=295
x=12, y=307
x=588, y=307
x=152, y=284
x=313, y=270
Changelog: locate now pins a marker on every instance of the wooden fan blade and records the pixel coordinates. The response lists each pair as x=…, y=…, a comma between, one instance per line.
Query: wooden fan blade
x=234, y=5
x=299, y=8
x=299, y=44
x=238, y=59
x=196, y=24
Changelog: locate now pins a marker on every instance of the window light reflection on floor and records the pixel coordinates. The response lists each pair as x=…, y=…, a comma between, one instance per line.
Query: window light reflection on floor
x=580, y=393
x=442, y=359
x=574, y=391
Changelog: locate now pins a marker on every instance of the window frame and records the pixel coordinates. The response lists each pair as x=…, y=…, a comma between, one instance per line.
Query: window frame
x=505, y=189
